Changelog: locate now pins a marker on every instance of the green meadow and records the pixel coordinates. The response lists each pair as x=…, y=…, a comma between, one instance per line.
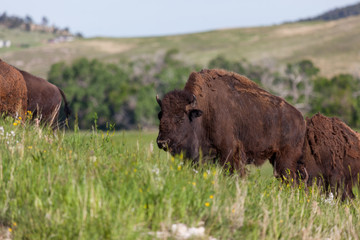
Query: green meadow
x=118, y=185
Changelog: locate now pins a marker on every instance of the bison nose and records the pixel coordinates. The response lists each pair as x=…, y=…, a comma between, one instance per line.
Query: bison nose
x=163, y=144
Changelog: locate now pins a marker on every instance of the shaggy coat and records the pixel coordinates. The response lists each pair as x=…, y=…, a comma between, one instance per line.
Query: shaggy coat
x=223, y=114
x=44, y=99
x=331, y=155
x=13, y=91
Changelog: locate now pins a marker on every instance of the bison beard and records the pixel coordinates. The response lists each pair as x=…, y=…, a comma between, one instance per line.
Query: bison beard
x=331, y=155
x=223, y=114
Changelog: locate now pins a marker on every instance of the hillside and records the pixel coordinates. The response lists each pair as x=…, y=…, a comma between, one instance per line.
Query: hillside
x=333, y=46
x=338, y=13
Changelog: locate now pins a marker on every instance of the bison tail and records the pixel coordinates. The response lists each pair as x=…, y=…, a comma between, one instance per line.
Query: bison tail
x=66, y=108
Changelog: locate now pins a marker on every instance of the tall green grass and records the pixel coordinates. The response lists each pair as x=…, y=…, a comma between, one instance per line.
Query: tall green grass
x=107, y=185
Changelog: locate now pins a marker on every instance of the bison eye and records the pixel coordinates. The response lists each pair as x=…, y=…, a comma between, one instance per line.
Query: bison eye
x=159, y=115
x=179, y=121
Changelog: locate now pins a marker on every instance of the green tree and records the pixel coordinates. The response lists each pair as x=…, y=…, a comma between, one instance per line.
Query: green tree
x=223, y=63
x=339, y=97
x=146, y=107
x=92, y=87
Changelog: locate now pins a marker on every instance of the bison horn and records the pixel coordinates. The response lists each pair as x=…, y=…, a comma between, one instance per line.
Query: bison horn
x=193, y=103
x=158, y=100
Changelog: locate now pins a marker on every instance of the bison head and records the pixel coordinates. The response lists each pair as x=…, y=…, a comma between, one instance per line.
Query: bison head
x=179, y=124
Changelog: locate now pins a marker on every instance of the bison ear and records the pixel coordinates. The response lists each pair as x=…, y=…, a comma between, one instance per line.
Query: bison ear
x=194, y=113
x=158, y=100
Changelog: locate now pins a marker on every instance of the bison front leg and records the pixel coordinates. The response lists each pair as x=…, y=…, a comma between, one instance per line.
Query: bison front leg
x=234, y=158
x=285, y=163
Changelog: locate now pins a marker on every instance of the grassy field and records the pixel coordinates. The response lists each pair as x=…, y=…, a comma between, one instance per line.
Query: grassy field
x=118, y=185
x=333, y=46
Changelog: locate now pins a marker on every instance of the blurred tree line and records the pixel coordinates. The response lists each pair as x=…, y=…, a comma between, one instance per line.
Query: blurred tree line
x=124, y=93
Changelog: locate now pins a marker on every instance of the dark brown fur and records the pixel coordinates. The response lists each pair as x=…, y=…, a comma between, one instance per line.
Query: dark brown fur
x=44, y=99
x=13, y=91
x=231, y=117
x=331, y=154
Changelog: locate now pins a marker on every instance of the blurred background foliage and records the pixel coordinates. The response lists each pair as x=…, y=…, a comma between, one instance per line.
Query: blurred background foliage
x=124, y=93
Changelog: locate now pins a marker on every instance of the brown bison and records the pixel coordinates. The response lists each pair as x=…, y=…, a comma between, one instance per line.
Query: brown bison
x=226, y=115
x=13, y=91
x=331, y=155
x=44, y=99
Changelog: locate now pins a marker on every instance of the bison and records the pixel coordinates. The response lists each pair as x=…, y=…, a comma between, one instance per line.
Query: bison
x=223, y=114
x=44, y=99
x=13, y=91
x=331, y=155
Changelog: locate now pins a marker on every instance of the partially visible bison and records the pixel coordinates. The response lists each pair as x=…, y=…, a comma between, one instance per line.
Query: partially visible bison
x=44, y=99
x=224, y=114
x=13, y=91
x=331, y=155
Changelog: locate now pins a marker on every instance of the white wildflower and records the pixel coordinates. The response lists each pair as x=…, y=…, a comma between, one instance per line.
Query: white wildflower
x=93, y=159
x=330, y=199
x=155, y=170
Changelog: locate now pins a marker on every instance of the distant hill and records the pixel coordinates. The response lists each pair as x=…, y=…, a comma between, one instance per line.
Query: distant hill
x=333, y=46
x=27, y=24
x=337, y=13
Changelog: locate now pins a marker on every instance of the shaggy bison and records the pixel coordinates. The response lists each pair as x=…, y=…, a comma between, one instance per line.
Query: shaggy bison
x=226, y=115
x=13, y=91
x=44, y=99
x=331, y=155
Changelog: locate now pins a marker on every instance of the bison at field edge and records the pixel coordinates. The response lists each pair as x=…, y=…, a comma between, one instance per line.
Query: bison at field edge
x=226, y=115
x=13, y=91
x=44, y=99
x=331, y=155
